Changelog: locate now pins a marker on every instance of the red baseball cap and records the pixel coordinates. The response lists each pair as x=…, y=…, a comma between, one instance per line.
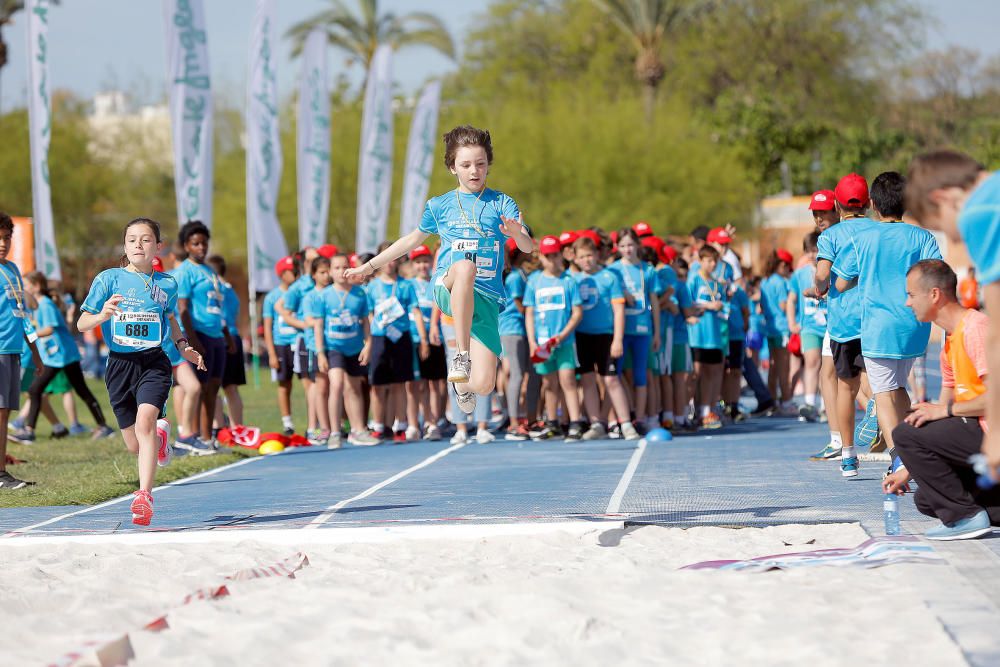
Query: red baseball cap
x=719, y=235
x=549, y=245
x=822, y=200
x=284, y=264
x=567, y=238
x=642, y=228
x=667, y=253
x=592, y=235
x=352, y=259
x=852, y=190
x=157, y=264
x=420, y=251
x=785, y=256
x=328, y=250
x=654, y=242
x=511, y=244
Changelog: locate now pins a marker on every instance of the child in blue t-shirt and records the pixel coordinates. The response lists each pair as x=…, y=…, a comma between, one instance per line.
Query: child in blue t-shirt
x=553, y=310
x=234, y=375
x=738, y=325
x=290, y=308
x=681, y=364
x=425, y=391
x=707, y=335
x=319, y=396
x=279, y=336
x=807, y=317
x=516, y=362
x=775, y=289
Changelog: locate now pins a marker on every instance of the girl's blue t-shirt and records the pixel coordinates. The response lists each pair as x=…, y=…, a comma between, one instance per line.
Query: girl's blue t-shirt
x=810, y=313
x=737, y=302
x=469, y=227
x=512, y=319
x=282, y=332
x=142, y=323
x=390, y=305
x=684, y=301
x=707, y=332
x=294, y=300
x=309, y=305
x=774, y=292
x=343, y=314
x=202, y=287
x=424, y=289
x=59, y=348
x=668, y=278
x=641, y=282
x=231, y=308
x=597, y=292
x=553, y=300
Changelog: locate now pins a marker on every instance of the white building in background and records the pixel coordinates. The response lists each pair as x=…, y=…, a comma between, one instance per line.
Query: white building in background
x=130, y=139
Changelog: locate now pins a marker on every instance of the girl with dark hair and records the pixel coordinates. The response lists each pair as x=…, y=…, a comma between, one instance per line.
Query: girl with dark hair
x=775, y=291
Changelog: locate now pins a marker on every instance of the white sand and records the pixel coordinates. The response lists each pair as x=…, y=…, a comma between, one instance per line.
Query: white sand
x=548, y=599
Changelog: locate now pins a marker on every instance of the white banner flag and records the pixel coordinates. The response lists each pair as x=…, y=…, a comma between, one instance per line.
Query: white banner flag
x=188, y=82
x=40, y=129
x=375, y=166
x=265, y=242
x=313, y=143
x=420, y=157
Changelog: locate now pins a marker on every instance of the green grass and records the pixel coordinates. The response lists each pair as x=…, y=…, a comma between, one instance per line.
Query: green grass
x=81, y=471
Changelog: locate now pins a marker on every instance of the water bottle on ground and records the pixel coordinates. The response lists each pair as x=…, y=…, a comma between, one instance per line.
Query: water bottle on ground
x=983, y=479
x=891, y=509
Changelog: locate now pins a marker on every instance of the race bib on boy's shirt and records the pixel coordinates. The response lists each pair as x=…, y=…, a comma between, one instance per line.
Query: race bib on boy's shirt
x=140, y=330
x=388, y=311
x=481, y=252
x=284, y=328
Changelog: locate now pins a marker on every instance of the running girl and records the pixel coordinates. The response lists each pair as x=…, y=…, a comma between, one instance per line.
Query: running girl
x=472, y=221
x=133, y=306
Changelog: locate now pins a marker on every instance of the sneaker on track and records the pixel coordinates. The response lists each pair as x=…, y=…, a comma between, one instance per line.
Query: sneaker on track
x=194, y=446
x=849, y=466
x=22, y=436
x=828, y=453
x=412, y=433
x=432, y=432
x=628, y=431
x=484, y=437
x=518, y=433
x=808, y=413
x=10, y=483
x=461, y=366
x=142, y=508
x=460, y=438
x=163, y=451
x=103, y=432
x=596, y=432
x=574, y=432
x=334, y=441
x=363, y=439
x=546, y=432
x=711, y=422
x=466, y=401
x=59, y=431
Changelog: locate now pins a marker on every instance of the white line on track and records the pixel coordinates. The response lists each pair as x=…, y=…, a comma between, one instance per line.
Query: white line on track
x=333, y=509
x=114, y=501
x=616, y=498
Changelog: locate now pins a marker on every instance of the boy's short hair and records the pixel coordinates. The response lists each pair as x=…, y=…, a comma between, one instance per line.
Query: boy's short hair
x=888, y=195
x=938, y=170
x=466, y=135
x=936, y=273
x=811, y=242
x=6, y=223
x=708, y=251
x=583, y=243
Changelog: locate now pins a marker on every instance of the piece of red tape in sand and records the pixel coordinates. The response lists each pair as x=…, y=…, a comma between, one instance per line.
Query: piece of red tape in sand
x=285, y=568
x=99, y=653
x=206, y=594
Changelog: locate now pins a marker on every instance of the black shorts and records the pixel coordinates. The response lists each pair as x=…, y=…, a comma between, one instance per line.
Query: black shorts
x=435, y=366
x=735, y=357
x=707, y=355
x=305, y=361
x=593, y=351
x=214, y=358
x=286, y=363
x=236, y=370
x=135, y=378
x=847, y=359
x=390, y=362
x=350, y=364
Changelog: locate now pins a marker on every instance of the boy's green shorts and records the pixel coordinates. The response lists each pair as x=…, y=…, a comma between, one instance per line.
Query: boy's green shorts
x=563, y=358
x=485, y=317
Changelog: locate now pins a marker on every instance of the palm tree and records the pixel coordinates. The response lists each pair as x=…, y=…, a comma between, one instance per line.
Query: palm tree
x=646, y=23
x=360, y=35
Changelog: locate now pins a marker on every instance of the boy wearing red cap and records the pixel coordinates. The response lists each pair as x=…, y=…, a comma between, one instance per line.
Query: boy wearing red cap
x=824, y=210
x=279, y=336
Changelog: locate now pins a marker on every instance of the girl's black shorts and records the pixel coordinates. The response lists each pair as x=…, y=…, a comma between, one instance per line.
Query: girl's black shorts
x=134, y=378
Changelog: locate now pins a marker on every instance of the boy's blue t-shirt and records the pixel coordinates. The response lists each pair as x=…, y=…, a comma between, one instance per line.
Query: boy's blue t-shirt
x=512, y=319
x=281, y=332
x=390, y=305
x=706, y=333
x=667, y=278
x=879, y=258
x=343, y=314
x=309, y=305
x=810, y=312
x=597, y=292
x=58, y=349
x=230, y=308
x=294, y=300
x=142, y=323
x=979, y=225
x=684, y=301
x=424, y=289
x=203, y=288
x=553, y=300
x=641, y=282
x=469, y=227
x=14, y=317
x=737, y=303
x=843, y=310
x=775, y=290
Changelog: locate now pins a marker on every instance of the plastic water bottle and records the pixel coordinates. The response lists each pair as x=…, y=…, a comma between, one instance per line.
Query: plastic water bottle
x=983, y=479
x=890, y=507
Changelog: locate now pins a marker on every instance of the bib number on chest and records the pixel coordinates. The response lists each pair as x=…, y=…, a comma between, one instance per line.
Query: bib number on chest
x=213, y=304
x=388, y=312
x=484, y=255
x=138, y=330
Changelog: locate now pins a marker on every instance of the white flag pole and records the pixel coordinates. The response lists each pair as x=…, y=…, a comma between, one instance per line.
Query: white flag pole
x=313, y=143
x=375, y=160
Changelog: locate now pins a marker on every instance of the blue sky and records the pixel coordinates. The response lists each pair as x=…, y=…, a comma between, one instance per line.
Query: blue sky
x=119, y=44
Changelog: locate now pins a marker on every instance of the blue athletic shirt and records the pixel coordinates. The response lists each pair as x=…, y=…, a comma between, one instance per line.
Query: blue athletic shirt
x=810, y=314
x=667, y=277
x=843, y=310
x=309, y=305
x=512, y=319
x=737, y=303
x=775, y=291
x=597, y=292
x=203, y=288
x=230, y=308
x=59, y=348
x=14, y=317
x=879, y=258
x=723, y=271
x=706, y=333
x=343, y=314
x=979, y=225
x=553, y=300
x=424, y=289
x=282, y=332
x=294, y=300
x=390, y=305
x=684, y=300
x=142, y=323
x=471, y=230
x=641, y=282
